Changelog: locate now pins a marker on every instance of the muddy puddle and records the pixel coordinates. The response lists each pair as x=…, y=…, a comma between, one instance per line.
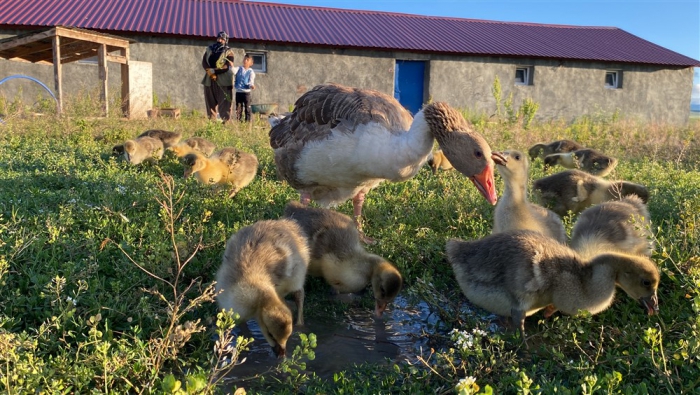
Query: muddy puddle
x=355, y=338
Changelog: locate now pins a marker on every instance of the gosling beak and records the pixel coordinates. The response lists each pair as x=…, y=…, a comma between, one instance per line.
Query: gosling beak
x=379, y=308
x=485, y=184
x=650, y=303
x=188, y=172
x=279, y=351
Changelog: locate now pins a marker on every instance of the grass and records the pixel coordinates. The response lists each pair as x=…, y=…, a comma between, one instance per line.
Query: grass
x=105, y=268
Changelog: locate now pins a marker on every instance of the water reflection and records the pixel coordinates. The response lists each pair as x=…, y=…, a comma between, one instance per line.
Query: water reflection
x=341, y=343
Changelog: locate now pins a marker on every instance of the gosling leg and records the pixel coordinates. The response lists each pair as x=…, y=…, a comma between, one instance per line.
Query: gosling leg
x=299, y=300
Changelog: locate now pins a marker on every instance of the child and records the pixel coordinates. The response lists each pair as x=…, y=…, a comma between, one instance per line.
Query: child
x=245, y=82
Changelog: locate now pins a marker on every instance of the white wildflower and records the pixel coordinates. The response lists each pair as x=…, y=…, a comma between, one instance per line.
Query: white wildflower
x=467, y=386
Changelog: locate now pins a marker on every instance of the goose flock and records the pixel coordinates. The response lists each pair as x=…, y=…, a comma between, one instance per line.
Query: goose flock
x=340, y=142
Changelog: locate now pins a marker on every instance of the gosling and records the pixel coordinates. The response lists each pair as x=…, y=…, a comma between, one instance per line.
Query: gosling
x=575, y=190
x=193, y=144
x=555, y=147
x=588, y=160
x=518, y=273
x=514, y=211
x=227, y=166
x=338, y=256
x=168, y=139
x=438, y=160
x=263, y=263
x=143, y=149
x=622, y=226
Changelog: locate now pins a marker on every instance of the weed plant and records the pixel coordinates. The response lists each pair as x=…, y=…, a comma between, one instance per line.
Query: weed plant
x=106, y=269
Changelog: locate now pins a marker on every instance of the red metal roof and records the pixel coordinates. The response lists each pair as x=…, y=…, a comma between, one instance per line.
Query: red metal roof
x=303, y=25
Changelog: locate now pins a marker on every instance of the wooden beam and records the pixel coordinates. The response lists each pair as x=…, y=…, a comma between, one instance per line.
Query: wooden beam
x=125, y=83
x=57, y=71
x=78, y=47
x=28, y=39
x=104, y=73
x=93, y=37
x=77, y=57
x=117, y=59
x=22, y=51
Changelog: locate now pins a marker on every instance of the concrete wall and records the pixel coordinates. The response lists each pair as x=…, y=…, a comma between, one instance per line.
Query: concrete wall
x=566, y=89
x=563, y=89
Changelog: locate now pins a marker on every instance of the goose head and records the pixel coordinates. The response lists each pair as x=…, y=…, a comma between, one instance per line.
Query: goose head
x=193, y=163
x=276, y=325
x=386, y=284
x=466, y=149
x=639, y=278
x=551, y=161
x=516, y=166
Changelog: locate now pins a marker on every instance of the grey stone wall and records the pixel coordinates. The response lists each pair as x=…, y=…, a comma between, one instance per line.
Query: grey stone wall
x=563, y=89
x=566, y=89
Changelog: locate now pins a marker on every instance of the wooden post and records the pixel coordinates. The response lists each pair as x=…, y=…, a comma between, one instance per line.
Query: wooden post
x=57, y=72
x=126, y=108
x=103, y=71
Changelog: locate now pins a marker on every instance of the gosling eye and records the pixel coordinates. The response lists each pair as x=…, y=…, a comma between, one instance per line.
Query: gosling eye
x=646, y=283
x=478, y=154
x=517, y=157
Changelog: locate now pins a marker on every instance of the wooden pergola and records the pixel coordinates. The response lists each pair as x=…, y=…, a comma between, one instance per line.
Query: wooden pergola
x=60, y=45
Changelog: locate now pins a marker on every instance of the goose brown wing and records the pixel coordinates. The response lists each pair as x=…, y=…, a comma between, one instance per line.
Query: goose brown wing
x=324, y=107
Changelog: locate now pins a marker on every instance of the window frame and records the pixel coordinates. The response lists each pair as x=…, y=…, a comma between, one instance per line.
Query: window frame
x=528, y=72
x=616, y=79
x=259, y=67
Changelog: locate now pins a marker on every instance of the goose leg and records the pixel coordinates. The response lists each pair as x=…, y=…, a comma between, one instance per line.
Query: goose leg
x=518, y=317
x=299, y=300
x=357, y=203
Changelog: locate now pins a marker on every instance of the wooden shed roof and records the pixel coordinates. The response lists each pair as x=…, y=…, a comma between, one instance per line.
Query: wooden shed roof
x=75, y=44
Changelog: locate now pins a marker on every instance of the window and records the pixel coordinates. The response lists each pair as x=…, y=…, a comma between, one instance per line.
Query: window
x=613, y=79
x=523, y=75
x=259, y=61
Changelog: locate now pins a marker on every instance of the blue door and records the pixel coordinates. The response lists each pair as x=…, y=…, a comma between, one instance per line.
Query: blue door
x=408, y=84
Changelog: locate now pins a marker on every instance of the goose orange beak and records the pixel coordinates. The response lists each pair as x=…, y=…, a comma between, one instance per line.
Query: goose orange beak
x=279, y=351
x=485, y=184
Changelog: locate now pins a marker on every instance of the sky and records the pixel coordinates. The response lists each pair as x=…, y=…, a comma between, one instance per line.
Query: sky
x=673, y=24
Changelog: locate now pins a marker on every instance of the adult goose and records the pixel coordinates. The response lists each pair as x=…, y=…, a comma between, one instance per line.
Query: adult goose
x=341, y=142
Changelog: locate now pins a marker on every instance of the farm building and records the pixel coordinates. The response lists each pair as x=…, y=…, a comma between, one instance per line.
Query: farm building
x=569, y=71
